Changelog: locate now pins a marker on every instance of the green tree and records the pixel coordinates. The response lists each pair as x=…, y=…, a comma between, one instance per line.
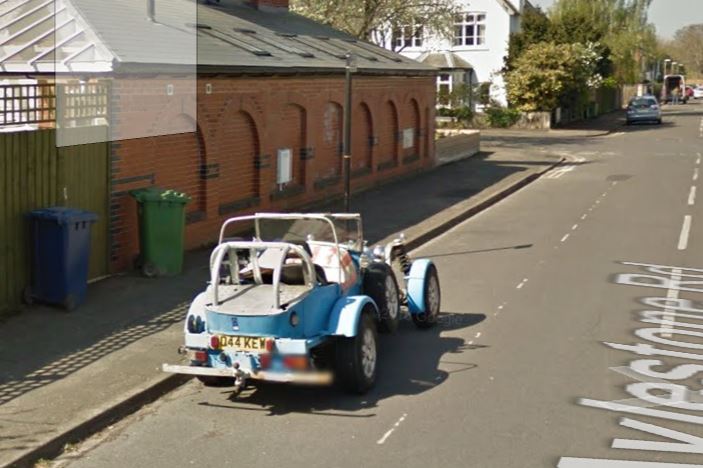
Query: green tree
x=535, y=28
x=377, y=19
x=547, y=75
x=687, y=48
x=621, y=26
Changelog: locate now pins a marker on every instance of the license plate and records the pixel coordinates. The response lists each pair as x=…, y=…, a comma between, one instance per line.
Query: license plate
x=243, y=343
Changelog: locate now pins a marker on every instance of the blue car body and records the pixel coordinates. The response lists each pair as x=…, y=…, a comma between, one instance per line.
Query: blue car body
x=271, y=315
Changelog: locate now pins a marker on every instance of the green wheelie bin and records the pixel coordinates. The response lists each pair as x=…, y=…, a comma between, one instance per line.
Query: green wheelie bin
x=161, y=231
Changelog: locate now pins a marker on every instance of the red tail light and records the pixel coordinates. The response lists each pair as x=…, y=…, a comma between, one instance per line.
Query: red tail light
x=296, y=362
x=215, y=342
x=269, y=344
x=200, y=356
x=265, y=361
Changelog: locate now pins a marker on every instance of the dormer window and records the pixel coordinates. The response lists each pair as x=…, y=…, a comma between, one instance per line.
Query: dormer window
x=408, y=36
x=470, y=29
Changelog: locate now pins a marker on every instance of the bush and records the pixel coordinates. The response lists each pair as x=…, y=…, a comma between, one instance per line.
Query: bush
x=464, y=114
x=502, y=117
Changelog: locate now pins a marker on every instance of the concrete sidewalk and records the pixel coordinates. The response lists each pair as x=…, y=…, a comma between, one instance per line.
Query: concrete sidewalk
x=66, y=376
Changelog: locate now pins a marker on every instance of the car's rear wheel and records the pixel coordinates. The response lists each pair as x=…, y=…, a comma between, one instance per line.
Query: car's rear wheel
x=381, y=286
x=433, y=297
x=357, y=357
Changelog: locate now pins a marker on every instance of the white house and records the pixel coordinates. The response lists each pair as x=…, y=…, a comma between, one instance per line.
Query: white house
x=478, y=49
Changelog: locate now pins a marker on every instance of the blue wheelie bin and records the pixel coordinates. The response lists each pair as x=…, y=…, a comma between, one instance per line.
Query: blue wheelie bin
x=60, y=256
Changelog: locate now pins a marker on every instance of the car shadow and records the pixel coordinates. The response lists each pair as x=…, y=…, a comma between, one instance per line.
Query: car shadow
x=635, y=127
x=411, y=361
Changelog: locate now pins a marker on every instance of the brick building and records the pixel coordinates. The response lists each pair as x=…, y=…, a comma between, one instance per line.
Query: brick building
x=269, y=91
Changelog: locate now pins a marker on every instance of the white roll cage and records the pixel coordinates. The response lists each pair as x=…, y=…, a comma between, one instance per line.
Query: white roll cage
x=230, y=249
x=325, y=217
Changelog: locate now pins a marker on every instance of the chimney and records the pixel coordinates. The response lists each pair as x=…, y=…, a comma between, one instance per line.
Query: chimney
x=151, y=10
x=271, y=5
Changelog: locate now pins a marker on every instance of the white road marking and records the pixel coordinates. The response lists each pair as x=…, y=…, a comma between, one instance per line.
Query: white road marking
x=698, y=161
x=478, y=335
x=685, y=231
x=695, y=174
x=667, y=324
x=574, y=227
x=597, y=202
x=692, y=196
x=385, y=437
x=584, y=216
x=519, y=286
x=563, y=239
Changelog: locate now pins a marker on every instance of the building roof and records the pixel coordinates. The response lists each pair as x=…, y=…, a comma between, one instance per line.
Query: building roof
x=112, y=36
x=444, y=61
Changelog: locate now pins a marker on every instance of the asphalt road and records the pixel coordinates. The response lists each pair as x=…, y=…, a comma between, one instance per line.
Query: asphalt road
x=518, y=373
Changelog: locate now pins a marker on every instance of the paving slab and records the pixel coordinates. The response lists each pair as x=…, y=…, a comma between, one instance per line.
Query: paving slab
x=65, y=376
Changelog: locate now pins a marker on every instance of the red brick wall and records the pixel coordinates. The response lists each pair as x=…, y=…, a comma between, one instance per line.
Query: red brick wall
x=229, y=165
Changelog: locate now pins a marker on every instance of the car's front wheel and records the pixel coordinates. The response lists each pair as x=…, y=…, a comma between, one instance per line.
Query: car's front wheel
x=432, y=300
x=381, y=286
x=357, y=357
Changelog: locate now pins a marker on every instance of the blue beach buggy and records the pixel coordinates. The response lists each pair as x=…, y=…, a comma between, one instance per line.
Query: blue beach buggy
x=302, y=302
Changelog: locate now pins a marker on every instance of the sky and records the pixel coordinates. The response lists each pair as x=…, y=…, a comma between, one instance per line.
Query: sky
x=667, y=15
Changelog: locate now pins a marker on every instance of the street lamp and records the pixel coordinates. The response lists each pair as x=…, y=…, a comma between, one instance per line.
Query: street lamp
x=346, y=142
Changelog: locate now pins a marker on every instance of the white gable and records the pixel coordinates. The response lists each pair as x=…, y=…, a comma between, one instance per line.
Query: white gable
x=48, y=36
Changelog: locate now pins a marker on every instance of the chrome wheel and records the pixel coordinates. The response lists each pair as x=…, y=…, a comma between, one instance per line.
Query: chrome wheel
x=392, y=298
x=368, y=353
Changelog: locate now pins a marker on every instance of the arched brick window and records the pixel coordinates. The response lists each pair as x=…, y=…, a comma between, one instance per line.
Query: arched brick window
x=295, y=138
x=363, y=140
x=239, y=172
x=417, y=129
x=328, y=161
x=388, y=136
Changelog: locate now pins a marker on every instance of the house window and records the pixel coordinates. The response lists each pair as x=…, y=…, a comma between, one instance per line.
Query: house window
x=408, y=36
x=470, y=29
x=444, y=88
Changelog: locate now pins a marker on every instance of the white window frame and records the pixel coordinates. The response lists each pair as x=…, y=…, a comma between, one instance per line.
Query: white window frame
x=475, y=19
x=410, y=36
x=448, y=81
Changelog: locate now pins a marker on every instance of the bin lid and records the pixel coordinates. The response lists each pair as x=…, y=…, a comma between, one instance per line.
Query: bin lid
x=64, y=215
x=154, y=194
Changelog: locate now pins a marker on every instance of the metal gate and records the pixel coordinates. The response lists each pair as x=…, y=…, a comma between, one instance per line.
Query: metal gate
x=35, y=174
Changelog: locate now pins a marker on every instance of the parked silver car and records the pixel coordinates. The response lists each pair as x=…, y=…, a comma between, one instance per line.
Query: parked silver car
x=644, y=109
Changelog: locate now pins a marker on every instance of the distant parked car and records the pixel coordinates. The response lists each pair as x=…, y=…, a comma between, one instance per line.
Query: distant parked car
x=644, y=109
x=698, y=92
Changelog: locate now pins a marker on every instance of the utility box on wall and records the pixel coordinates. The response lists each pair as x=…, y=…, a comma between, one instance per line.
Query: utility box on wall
x=284, y=171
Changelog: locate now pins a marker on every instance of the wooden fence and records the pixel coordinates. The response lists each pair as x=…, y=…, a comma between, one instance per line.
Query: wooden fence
x=34, y=173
